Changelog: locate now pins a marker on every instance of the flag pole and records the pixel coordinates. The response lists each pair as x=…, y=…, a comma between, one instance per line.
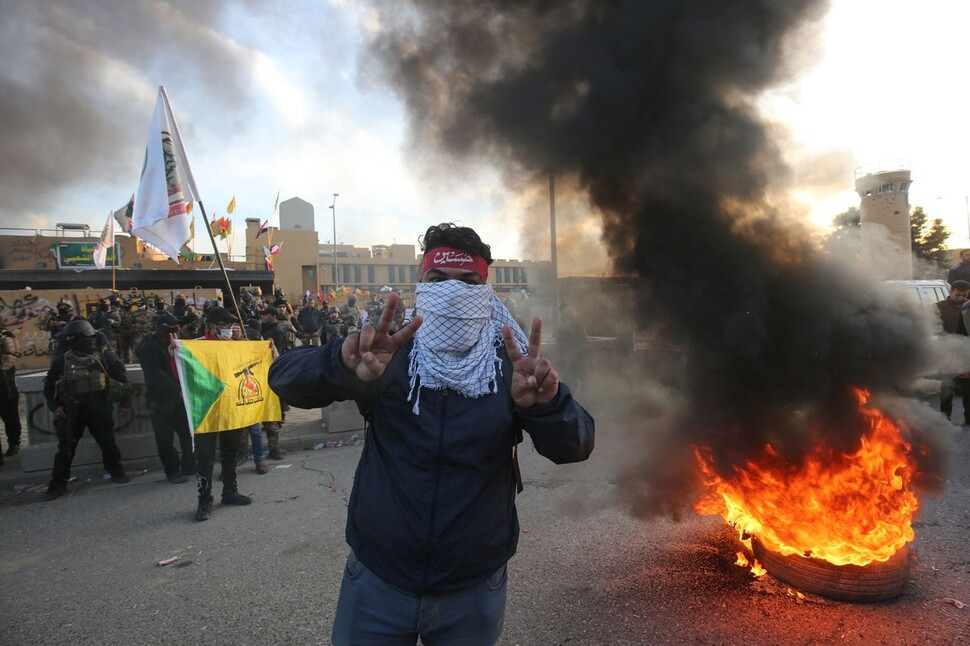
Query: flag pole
x=225, y=274
x=114, y=251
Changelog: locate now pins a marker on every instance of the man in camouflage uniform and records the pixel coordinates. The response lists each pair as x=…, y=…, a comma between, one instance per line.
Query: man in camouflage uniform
x=127, y=327
x=9, y=395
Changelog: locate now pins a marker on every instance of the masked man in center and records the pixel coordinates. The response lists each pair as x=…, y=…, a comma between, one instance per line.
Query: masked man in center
x=431, y=521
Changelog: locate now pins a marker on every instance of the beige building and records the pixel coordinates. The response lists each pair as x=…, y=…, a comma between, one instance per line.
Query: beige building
x=302, y=263
x=883, y=189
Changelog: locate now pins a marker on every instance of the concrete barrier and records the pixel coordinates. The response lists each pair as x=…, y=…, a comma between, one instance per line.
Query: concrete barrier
x=133, y=432
x=136, y=439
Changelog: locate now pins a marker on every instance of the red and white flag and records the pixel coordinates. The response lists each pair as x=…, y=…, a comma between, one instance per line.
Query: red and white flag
x=160, y=216
x=107, y=240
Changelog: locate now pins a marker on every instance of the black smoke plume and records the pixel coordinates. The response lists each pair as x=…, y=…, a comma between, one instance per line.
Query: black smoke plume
x=651, y=105
x=73, y=89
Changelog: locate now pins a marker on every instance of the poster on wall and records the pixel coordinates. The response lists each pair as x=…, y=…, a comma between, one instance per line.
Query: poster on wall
x=80, y=255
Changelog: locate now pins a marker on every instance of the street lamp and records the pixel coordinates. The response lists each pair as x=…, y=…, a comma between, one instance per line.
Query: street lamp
x=333, y=213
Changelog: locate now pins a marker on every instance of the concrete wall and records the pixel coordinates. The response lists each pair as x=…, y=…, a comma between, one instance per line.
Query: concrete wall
x=23, y=311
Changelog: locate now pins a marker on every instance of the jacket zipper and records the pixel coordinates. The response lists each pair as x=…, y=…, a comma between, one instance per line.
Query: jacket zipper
x=429, y=541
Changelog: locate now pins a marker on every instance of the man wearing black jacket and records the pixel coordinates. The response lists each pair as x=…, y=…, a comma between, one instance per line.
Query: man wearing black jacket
x=431, y=520
x=165, y=400
x=271, y=330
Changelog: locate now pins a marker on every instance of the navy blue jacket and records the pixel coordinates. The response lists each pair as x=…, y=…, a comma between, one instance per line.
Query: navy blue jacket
x=433, y=504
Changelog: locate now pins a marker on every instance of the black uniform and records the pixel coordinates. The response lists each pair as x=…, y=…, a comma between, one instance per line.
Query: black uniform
x=106, y=322
x=167, y=408
x=54, y=324
x=90, y=410
x=275, y=333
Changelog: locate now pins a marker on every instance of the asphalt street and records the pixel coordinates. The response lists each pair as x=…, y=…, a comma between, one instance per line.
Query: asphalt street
x=84, y=569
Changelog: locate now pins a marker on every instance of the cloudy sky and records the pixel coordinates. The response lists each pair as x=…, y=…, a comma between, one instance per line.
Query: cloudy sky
x=283, y=97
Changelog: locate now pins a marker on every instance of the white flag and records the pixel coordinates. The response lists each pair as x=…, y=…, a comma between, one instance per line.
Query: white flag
x=123, y=215
x=274, y=221
x=160, y=216
x=107, y=240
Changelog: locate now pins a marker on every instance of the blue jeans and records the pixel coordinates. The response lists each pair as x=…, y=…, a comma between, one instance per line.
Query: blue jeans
x=372, y=611
x=256, y=439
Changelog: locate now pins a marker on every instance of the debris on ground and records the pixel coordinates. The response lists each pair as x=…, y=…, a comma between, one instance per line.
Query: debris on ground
x=353, y=440
x=170, y=560
x=283, y=466
x=955, y=602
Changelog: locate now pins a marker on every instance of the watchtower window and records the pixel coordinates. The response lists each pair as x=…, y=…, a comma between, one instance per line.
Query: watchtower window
x=886, y=187
x=903, y=187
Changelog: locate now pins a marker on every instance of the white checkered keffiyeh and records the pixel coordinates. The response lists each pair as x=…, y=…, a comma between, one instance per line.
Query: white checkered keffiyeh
x=456, y=346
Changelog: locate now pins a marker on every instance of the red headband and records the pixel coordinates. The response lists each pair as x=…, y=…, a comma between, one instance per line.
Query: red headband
x=456, y=258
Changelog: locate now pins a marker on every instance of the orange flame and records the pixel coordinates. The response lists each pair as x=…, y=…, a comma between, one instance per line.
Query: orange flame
x=855, y=508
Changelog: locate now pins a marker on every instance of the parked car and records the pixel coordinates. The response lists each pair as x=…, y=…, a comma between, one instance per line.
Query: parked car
x=923, y=292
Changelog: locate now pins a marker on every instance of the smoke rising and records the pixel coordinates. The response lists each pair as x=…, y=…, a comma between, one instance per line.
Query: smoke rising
x=73, y=94
x=652, y=107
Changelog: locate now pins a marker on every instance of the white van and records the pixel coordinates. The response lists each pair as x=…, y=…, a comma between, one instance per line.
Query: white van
x=923, y=292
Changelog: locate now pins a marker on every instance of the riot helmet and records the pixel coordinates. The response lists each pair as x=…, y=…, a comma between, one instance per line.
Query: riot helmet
x=79, y=335
x=78, y=327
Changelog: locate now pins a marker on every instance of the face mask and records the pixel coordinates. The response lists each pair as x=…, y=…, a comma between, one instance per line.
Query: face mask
x=455, y=315
x=225, y=333
x=84, y=345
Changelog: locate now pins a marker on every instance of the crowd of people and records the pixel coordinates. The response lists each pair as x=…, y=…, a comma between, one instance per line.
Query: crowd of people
x=447, y=392
x=87, y=377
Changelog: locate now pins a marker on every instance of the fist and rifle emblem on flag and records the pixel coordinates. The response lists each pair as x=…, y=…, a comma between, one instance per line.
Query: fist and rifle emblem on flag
x=224, y=384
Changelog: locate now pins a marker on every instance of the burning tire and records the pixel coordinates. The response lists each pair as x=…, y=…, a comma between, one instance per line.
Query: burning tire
x=877, y=581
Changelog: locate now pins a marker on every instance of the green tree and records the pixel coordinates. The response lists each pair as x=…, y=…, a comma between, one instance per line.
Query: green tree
x=845, y=239
x=929, y=244
x=929, y=238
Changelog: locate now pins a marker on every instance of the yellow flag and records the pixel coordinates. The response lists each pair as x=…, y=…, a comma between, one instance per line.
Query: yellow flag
x=232, y=205
x=225, y=384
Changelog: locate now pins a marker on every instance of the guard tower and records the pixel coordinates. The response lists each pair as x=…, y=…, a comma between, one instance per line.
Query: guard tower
x=887, y=246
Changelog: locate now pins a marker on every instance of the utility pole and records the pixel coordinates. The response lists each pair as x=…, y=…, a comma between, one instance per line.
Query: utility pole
x=552, y=239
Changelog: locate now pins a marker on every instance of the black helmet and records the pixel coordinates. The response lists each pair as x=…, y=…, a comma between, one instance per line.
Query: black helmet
x=165, y=322
x=78, y=327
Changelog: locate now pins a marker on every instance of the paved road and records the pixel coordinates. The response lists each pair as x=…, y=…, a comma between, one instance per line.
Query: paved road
x=82, y=569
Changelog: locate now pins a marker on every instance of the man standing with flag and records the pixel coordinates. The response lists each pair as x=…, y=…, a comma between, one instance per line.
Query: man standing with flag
x=219, y=325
